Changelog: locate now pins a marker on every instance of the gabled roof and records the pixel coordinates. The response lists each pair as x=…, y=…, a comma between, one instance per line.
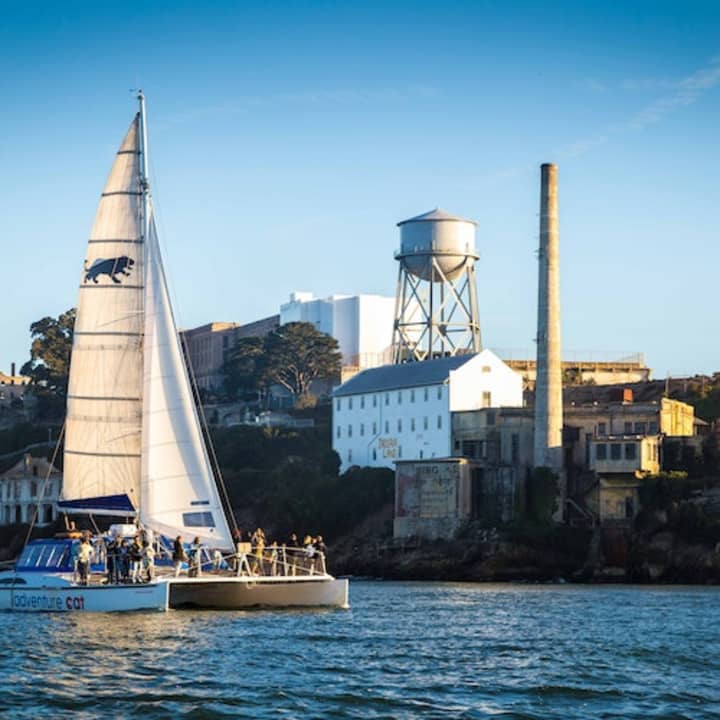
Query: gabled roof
x=406, y=375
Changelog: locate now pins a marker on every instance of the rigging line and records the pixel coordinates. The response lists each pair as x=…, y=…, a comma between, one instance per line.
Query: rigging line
x=45, y=483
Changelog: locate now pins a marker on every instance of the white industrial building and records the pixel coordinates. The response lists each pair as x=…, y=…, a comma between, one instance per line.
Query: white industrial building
x=403, y=412
x=362, y=324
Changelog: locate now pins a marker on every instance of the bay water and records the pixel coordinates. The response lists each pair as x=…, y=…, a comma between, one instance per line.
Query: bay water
x=403, y=650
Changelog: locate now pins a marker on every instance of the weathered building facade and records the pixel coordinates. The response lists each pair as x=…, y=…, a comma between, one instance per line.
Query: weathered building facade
x=29, y=489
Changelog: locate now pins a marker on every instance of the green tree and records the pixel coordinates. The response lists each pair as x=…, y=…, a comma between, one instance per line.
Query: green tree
x=52, y=340
x=298, y=353
x=244, y=369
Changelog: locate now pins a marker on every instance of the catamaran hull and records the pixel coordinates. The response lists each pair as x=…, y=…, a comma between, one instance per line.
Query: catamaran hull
x=114, y=598
x=240, y=592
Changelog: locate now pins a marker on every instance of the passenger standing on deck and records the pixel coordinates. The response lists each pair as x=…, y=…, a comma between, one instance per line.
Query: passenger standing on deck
x=124, y=558
x=149, y=561
x=195, y=558
x=85, y=553
x=179, y=554
x=74, y=550
x=136, y=559
x=112, y=561
x=258, y=540
x=321, y=550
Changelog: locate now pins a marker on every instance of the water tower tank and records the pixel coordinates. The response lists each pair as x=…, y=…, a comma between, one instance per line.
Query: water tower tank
x=447, y=239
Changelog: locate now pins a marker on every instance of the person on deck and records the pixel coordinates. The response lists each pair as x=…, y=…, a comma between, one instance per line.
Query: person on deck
x=136, y=560
x=195, y=568
x=85, y=553
x=321, y=551
x=124, y=558
x=179, y=554
x=112, y=561
x=149, y=561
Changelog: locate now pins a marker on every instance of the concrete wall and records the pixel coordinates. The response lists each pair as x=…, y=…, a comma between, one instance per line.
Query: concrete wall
x=432, y=499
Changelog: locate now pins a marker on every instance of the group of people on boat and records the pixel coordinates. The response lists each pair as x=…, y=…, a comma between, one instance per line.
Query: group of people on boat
x=256, y=556
x=130, y=562
x=132, y=559
x=125, y=560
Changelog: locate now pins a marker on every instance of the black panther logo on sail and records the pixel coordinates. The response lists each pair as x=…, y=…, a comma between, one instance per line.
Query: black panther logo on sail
x=112, y=268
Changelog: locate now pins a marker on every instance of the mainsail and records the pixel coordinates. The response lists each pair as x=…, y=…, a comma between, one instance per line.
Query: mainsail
x=133, y=439
x=102, y=442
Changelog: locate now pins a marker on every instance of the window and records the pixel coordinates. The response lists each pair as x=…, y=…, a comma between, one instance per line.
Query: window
x=439, y=422
x=421, y=454
x=374, y=454
x=412, y=424
x=652, y=427
x=602, y=428
x=339, y=432
x=349, y=456
x=33, y=488
x=628, y=428
x=362, y=430
x=630, y=451
x=439, y=392
x=374, y=428
x=349, y=403
x=387, y=398
x=491, y=417
x=640, y=428
x=374, y=400
x=35, y=470
x=601, y=451
x=486, y=369
x=362, y=402
x=412, y=395
x=615, y=451
x=387, y=427
x=399, y=425
x=487, y=399
x=399, y=451
x=399, y=397
x=349, y=431
x=425, y=423
x=425, y=392
x=515, y=447
x=337, y=404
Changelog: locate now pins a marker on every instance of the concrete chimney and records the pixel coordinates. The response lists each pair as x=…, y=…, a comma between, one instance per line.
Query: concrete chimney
x=548, y=385
x=12, y=370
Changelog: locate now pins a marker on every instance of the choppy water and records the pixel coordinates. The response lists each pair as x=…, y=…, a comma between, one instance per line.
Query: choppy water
x=404, y=650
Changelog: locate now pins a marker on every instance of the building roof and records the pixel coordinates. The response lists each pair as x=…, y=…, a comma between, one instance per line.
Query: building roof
x=406, y=375
x=642, y=392
x=435, y=215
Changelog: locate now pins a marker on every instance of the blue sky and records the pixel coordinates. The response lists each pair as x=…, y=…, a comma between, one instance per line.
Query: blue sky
x=289, y=138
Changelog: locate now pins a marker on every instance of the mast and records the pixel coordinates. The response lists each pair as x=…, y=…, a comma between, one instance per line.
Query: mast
x=144, y=172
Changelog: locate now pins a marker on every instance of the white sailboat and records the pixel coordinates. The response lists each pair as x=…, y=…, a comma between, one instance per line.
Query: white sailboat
x=133, y=440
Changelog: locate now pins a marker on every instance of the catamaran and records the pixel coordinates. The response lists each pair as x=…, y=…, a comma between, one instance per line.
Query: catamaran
x=134, y=446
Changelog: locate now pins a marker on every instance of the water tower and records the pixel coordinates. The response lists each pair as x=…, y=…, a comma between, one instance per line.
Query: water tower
x=436, y=309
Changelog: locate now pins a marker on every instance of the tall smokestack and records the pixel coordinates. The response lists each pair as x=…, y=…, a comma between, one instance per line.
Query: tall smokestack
x=548, y=385
x=12, y=369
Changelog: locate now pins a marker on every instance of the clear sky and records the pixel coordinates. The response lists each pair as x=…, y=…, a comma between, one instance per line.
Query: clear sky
x=288, y=139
